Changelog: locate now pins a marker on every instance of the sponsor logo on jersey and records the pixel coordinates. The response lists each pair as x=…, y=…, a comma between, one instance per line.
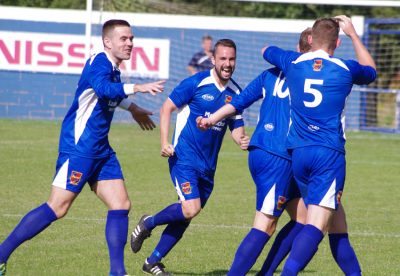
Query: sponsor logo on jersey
x=339, y=197
x=207, y=97
x=313, y=128
x=186, y=188
x=269, y=127
x=228, y=99
x=75, y=177
x=281, y=202
x=317, y=66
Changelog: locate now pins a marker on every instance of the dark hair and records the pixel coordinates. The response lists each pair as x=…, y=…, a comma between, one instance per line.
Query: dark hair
x=206, y=37
x=225, y=42
x=325, y=32
x=304, y=46
x=111, y=24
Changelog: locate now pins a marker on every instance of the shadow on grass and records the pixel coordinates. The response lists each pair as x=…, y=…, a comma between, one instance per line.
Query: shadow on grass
x=220, y=272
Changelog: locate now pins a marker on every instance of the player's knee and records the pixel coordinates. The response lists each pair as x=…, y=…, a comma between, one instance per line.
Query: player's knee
x=59, y=210
x=121, y=205
x=191, y=212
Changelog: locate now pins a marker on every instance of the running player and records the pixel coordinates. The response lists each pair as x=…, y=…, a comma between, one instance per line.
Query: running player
x=85, y=154
x=193, y=153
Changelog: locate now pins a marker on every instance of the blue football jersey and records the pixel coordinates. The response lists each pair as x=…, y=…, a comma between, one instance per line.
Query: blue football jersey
x=273, y=123
x=85, y=128
x=319, y=85
x=200, y=95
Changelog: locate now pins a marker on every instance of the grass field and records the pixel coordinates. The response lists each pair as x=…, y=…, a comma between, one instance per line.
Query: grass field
x=76, y=244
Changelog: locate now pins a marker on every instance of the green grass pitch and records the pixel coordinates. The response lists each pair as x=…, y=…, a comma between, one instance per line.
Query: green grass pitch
x=76, y=244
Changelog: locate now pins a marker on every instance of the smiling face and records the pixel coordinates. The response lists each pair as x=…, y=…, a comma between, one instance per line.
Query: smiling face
x=118, y=43
x=224, y=59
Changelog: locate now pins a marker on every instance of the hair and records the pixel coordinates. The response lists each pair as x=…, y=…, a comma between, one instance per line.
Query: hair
x=206, y=37
x=226, y=42
x=109, y=26
x=304, y=46
x=325, y=32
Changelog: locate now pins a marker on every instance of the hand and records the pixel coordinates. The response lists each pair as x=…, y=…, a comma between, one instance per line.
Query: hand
x=346, y=25
x=244, y=142
x=142, y=117
x=263, y=49
x=151, y=87
x=167, y=150
x=203, y=123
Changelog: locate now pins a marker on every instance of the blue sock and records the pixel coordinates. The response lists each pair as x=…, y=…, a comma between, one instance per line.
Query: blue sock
x=305, y=245
x=344, y=254
x=248, y=252
x=281, y=247
x=116, y=236
x=170, y=214
x=170, y=236
x=30, y=225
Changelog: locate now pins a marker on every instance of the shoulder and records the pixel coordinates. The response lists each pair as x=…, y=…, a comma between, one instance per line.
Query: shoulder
x=232, y=85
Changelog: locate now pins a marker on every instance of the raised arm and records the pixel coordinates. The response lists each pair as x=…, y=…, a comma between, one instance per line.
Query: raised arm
x=363, y=56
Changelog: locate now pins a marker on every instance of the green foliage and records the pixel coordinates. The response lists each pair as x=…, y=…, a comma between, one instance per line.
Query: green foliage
x=76, y=244
x=218, y=8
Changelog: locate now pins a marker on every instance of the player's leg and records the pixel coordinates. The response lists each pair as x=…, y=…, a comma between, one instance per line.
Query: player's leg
x=38, y=219
x=341, y=249
x=325, y=170
x=284, y=239
x=111, y=189
x=185, y=181
x=271, y=174
x=201, y=189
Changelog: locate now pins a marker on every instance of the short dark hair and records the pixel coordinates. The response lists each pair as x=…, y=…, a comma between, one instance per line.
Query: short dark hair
x=206, y=37
x=304, y=46
x=111, y=24
x=225, y=42
x=325, y=32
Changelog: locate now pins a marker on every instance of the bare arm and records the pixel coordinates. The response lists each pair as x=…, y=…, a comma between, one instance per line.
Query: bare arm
x=363, y=56
x=240, y=137
x=151, y=87
x=166, y=110
x=191, y=70
x=225, y=111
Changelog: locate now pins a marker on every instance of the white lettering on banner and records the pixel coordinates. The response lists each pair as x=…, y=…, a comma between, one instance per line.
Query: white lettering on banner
x=59, y=53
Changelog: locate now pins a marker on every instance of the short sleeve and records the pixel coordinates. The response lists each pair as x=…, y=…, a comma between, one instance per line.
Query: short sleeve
x=361, y=74
x=183, y=93
x=279, y=57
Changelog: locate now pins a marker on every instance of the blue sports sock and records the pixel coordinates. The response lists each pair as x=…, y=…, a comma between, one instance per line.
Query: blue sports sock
x=170, y=236
x=344, y=254
x=30, y=225
x=281, y=247
x=170, y=214
x=116, y=236
x=305, y=245
x=248, y=252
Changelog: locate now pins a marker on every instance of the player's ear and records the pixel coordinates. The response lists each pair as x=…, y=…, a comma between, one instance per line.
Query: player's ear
x=107, y=42
x=213, y=59
x=338, y=42
x=309, y=39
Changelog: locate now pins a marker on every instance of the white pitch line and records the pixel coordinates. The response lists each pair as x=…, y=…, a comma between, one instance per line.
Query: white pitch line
x=224, y=226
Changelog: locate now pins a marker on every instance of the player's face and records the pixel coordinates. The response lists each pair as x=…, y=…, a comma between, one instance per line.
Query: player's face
x=224, y=60
x=119, y=43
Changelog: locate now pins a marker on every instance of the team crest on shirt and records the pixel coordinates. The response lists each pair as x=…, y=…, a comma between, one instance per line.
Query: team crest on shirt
x=75, y=177
x=186, y=188
x=317, y=66
x=228, y=99
x=339, y=196
x=281, y=202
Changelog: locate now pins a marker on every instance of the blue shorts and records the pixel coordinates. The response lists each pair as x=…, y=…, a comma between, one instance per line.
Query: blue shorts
x=274, y=181
x=191, y=183
x=320, y=173
x=72, y=171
